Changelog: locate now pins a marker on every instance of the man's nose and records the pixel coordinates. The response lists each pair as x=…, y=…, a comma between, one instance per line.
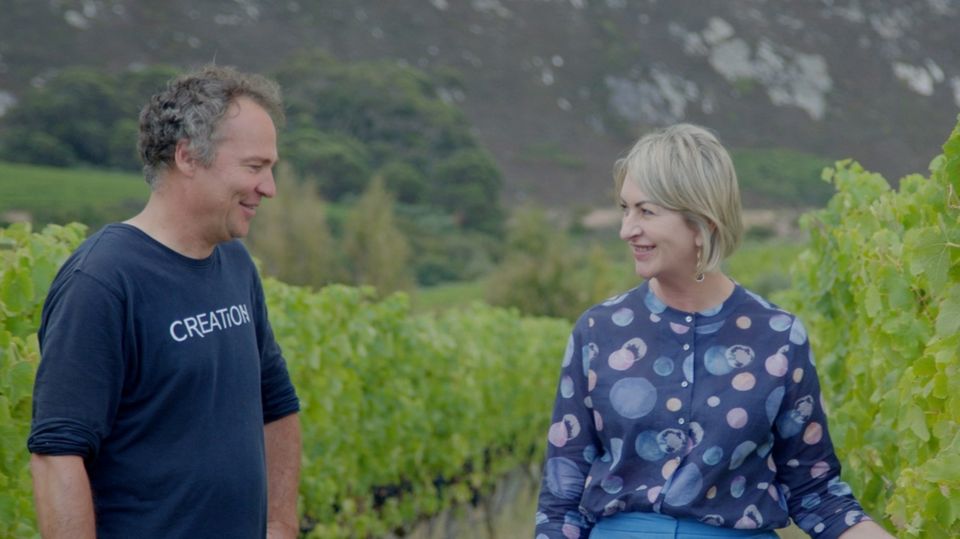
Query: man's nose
x=268, y=187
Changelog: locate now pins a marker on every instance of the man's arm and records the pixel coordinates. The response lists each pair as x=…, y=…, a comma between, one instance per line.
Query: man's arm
x=282, y=439
x=61, y=489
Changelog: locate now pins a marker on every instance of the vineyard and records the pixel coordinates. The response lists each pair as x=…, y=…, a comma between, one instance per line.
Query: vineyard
x=407, y=414
x=403, y=415
x=879, y=288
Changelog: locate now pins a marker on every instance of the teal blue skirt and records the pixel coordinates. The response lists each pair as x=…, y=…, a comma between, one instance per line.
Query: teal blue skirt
x=656, y=526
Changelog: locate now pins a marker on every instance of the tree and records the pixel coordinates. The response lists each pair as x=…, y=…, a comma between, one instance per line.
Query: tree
x=467, y=184
x=291, y=238
x=543, y=274
x=405, y=182
x=338, y=164
x=80, y=116
x=396, y=110
x=377, y=252
x=419, y=143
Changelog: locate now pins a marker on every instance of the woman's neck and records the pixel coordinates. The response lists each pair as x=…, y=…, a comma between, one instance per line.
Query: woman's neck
x=693, y=296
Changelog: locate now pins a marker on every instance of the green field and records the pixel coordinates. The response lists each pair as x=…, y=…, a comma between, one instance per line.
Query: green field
x=448, y=295
x=781, y=177
x=61, y=195
x=96, y=197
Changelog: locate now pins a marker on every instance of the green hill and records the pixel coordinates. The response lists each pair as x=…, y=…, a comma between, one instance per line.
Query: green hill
x=59, y=195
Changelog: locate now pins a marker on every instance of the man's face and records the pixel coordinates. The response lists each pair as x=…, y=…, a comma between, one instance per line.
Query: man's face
x=229, y=190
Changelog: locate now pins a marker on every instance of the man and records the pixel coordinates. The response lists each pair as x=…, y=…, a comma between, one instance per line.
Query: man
x=162, y=405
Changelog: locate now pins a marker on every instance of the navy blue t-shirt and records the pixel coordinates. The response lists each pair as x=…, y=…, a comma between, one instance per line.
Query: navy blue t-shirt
x=161, y=370
x=714, y=416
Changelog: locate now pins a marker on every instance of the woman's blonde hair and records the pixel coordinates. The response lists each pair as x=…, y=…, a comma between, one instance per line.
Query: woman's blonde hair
x=684, y=168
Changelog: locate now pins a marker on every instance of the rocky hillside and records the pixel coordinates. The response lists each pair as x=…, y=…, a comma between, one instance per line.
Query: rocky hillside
x=558, y=88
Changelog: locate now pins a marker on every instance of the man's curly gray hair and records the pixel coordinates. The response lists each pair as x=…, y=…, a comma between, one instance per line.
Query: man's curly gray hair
x=191, y=108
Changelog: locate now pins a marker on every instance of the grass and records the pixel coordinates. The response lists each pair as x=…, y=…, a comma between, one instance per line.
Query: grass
x=763, y=266
x=61, y=195
x=448, y=295
x=95, y=197
x=782, y=177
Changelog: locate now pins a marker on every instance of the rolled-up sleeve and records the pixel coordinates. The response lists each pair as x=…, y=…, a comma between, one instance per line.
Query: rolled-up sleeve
x=571, y=444
x=279, y=397
x=80, y=377
x=819, y=501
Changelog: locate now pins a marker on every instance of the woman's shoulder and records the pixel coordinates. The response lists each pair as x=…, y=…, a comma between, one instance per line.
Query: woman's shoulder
x=760, y=305
x=757, y=311
x=625, y=303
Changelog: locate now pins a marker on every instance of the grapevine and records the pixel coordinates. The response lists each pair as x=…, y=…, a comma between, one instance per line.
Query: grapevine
x=879, y=287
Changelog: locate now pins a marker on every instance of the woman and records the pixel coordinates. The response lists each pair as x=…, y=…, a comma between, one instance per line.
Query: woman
x=689, y=407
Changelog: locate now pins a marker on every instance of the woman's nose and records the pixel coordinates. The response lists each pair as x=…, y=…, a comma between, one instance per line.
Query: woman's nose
x=629, y=228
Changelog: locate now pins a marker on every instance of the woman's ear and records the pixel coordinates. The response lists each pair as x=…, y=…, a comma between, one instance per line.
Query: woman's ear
x=709, y=229
x=701, y=229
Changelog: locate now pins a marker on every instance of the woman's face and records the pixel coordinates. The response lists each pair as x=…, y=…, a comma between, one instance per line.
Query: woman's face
x=663, y=243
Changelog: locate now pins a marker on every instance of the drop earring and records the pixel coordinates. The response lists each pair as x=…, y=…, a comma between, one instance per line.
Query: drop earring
x=700, y=277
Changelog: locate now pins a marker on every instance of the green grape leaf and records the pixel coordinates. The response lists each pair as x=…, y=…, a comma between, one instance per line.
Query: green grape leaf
x=950, y=165
x=928, y=250
x=16, y=289
x=945, y=467
x=948, y=319
x=917, y=422
x=21, y=380
x=872, y=302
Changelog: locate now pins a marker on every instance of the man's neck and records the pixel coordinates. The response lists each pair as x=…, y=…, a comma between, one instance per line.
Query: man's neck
x=165, y=222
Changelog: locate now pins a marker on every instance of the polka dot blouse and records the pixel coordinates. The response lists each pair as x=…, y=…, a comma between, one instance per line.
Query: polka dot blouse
x=714, y=416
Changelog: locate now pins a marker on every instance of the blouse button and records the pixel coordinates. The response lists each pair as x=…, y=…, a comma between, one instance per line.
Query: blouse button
x=680, y=421
x=689, y=319
x=684, y=384
x=686, y=347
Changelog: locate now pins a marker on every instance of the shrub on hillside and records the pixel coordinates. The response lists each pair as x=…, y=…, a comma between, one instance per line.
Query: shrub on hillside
x=291, y=238
x=543, y=273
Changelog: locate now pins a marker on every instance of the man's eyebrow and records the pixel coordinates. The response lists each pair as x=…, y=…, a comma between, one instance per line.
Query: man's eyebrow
x=259, y=160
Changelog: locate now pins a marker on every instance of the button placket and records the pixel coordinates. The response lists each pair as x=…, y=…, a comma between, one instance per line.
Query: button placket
x=687, y=387
x=684, y=333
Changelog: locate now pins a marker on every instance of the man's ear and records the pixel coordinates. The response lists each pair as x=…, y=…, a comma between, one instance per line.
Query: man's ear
x=184, y=159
